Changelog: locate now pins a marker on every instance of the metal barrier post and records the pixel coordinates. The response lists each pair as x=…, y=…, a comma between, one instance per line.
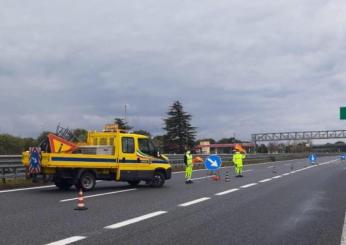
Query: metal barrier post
x=3, y=176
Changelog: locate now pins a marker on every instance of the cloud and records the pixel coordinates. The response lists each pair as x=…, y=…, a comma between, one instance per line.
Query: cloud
x=237, y=67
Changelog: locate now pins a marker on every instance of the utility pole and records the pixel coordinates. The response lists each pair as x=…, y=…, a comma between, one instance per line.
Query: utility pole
x=125, y=113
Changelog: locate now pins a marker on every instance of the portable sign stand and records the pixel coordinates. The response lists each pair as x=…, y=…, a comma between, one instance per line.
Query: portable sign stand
x=312, y=159
x=213, y=164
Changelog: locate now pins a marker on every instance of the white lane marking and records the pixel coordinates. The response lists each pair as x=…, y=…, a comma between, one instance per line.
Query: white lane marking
x=248, y=185
x=343, y=236
x=205, y=177
x=68, y=240
x=265, y=180
x=270, y=167
x=197, y=170
x=286, y=174
x=226, y=192
x=278, y=176
x=252, y=164
x=135, y=220
x=179, y=172
x=194, y=202
x=97, y=195
x=328, y=162
x=29, y=188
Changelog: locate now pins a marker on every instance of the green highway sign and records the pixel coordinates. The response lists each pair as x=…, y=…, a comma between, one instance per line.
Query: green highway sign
x=342, y=113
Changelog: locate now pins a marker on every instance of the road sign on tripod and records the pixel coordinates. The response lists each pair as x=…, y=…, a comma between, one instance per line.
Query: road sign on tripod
x=213, y=163
x=312, y=158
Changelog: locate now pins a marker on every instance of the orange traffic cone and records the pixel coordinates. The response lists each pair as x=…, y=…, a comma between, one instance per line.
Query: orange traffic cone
x=80, y=203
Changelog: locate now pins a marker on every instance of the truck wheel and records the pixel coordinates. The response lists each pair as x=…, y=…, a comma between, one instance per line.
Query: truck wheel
x=158, y=180
x=133, y=182
x=63, y=184
x=87, y=181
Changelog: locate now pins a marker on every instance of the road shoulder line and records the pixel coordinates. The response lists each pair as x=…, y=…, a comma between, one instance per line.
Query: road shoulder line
x=135, y=220
x=248, y=185
x=226, y=192
x=343, y=236
x=97, y=195
x=194, y=202
x=68, y=240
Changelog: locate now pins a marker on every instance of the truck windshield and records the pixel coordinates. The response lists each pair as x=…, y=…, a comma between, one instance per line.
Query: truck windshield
x=147, y=147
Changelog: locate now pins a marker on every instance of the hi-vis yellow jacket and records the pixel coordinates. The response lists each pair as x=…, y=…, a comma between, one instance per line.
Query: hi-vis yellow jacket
x=238, y=159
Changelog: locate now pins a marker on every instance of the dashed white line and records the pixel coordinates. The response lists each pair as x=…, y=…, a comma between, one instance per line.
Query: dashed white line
x=205, y=177
x=197, y=170
x=226, y=192
x=249, y=170
x=194, y=202
x=135, y=220
x=27, y=189
x=97, y=195
x=265, y=180
x=209, y=176
x=286, y=174
x=278, y=176
x=68, y=240
x=343, y=236
x=248, y=185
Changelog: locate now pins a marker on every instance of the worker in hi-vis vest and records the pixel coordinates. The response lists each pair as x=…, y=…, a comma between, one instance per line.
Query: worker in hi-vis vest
x=238, y=163
x=188, y=167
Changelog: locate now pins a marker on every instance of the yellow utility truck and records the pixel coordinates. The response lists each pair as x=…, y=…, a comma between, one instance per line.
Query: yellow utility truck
x=111, y=154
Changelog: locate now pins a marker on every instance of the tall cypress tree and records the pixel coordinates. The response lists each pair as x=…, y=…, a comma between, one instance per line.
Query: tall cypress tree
x=122, y=124
x=180, y=134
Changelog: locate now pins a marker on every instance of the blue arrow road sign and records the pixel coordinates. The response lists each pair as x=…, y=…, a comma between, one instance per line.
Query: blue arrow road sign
x=312, y=158
x=342, y=156
x=213, y=162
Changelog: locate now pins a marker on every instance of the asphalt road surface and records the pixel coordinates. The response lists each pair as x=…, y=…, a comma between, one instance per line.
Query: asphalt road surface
x=291, y=203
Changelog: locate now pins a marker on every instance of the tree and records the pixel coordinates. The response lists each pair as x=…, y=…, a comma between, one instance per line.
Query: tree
x=262, y=149
x=158, y=141
x=142, y=132
x=180, y=134
x=122, y=124
x=10, y=144
x=29, y=142
x=228, y=141
x=81, y=134
x=42, y=137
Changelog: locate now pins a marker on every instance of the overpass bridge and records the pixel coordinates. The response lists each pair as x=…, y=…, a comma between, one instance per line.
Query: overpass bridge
x=302, y=135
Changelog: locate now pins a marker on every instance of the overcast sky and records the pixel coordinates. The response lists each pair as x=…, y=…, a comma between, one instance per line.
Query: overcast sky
x=239, y=67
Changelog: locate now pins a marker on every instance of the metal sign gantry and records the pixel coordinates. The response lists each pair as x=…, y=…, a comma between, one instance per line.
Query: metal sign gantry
x=304, y=135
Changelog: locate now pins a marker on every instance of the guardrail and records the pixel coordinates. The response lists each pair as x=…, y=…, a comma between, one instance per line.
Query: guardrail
x=11, y=166
x=177, y=159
